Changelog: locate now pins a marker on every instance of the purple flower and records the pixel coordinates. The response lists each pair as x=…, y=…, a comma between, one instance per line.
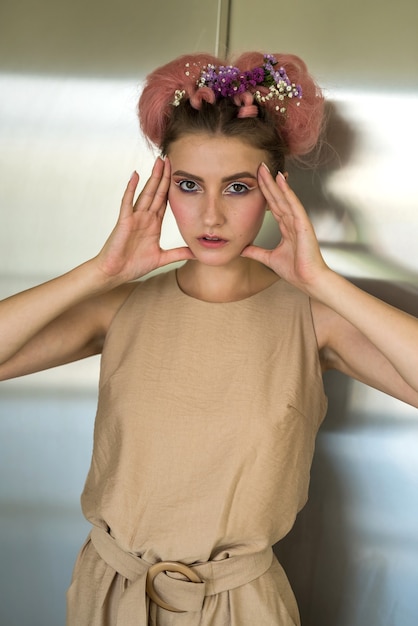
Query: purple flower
x=228, y=80
x=258, y=75
x=271, y=58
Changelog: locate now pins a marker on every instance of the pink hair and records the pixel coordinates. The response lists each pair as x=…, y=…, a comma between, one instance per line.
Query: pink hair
x=302, y=124
x=156, y=101
x=204, y=94
x=245, y=102
x=299, y=127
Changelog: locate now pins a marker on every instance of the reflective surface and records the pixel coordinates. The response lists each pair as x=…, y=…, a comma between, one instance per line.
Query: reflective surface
x=68, y=143
x=352, y=555
x=45, y=445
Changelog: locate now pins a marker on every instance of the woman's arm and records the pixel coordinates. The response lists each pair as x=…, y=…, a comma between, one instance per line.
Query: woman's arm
x=66, y=318
x=357, y=333
x=345, y=348
x=74, y=334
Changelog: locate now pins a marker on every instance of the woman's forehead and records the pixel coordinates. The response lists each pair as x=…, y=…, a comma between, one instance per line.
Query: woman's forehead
x=214, y=151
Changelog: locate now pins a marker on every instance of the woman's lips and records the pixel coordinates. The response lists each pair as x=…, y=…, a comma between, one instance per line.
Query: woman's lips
x=211, y=241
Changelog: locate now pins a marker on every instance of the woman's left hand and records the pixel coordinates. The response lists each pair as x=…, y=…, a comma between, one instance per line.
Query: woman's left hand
x=297, y=258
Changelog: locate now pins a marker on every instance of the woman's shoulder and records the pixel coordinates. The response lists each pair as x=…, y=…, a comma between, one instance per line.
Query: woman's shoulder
x=130, y=295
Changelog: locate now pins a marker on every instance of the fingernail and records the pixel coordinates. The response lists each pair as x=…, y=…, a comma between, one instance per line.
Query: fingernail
x=266, y=166
x=132, y=175
x=280, y=174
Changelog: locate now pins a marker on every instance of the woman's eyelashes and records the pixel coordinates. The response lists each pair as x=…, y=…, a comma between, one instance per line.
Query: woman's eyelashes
x=188, y=186
x=235, y=188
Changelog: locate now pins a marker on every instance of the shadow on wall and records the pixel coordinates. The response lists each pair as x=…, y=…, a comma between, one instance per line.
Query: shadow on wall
x=352, y=555
x=335, y=221
x=339, y=187
x=348, y=557
x=332, y=217
x=339, y=575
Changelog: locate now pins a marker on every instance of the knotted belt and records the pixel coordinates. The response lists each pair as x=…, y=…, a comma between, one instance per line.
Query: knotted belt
x=170, y=593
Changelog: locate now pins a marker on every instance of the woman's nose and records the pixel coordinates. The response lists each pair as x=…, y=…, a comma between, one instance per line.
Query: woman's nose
x=213, y=212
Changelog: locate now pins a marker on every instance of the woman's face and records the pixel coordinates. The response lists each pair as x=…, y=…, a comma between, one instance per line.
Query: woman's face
x=214, y=195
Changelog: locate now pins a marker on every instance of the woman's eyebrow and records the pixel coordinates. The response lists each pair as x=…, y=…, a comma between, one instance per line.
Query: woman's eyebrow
x=187, y=175
x=239, y=175
x=226, y=179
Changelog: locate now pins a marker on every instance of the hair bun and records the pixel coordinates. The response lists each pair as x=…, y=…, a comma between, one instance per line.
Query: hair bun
x=245, y=102
x=298, y=123
x=301, y=125
x=156, y=102
x=204, y=94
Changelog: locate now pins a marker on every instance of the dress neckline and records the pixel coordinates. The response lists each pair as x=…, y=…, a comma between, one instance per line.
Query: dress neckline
x=184, y=295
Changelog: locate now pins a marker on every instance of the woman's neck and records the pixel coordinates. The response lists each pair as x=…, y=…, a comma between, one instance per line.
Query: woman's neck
x=225, y=283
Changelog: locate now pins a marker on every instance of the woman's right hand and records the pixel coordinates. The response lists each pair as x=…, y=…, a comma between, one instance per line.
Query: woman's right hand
x=133, y=248
x=66, y=318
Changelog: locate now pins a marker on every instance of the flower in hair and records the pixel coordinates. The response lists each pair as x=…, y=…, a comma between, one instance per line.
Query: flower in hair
x=279, y=84
x=227, y=81
x=267, y=82
x=178, y=95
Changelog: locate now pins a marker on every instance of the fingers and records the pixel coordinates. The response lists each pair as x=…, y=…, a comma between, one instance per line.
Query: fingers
x=257, y=254
x=129, y=194
x=270, y=188
x=280, y=198
x=173, y=255
x=153, y=197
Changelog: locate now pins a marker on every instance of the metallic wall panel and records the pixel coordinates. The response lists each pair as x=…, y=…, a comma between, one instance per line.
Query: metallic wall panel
x=363, y=43
x=116, y=39
x=352, y=557
x=69, y=77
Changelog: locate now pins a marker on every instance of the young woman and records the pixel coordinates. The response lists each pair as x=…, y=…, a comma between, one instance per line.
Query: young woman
x=210, y=388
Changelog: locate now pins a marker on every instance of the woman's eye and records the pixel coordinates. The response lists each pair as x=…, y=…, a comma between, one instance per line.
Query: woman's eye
x=237, y=188
x=188, y=185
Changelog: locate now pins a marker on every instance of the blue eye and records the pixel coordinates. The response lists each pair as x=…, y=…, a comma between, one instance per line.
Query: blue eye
x=237, y=188
x=188, y=185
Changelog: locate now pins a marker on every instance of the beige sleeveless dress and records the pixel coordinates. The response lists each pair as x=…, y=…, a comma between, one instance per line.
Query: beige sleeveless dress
x=204, y=437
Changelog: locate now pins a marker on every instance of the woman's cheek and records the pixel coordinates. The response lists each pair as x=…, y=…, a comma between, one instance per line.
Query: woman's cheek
x=173, y=201
x=179, y=209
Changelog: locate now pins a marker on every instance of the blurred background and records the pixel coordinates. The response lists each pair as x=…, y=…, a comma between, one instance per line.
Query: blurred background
x=70, y=76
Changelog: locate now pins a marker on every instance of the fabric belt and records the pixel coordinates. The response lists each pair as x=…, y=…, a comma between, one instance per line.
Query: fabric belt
x=170, y=591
